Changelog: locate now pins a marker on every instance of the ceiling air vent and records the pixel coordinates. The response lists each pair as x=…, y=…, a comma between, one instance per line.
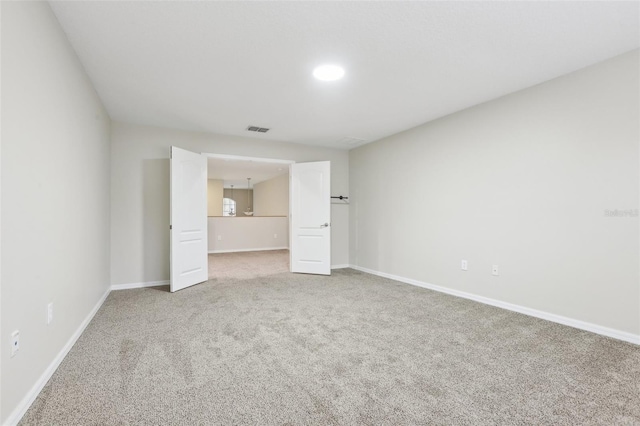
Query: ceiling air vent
x=257, y=129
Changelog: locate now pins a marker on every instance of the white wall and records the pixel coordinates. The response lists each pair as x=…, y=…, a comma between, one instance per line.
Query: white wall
x=247, y=233
x=55, y=196
x=522, y=182
x=214, y=197
x=140, y=192
x=271, y=197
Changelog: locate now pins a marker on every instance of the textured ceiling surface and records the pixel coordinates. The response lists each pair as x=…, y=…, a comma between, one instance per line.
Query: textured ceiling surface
x=221, y=66
x=236, y=171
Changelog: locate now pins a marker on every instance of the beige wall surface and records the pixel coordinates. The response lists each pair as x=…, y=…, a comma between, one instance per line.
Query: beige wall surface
x=271, y=197
x=140, y=192
x=242, y=233
x=55, y=196
x=214, y=197
x=523, y=182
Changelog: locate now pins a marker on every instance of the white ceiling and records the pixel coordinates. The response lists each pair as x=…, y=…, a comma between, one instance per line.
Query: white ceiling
x=221, y=66
x=235, y=171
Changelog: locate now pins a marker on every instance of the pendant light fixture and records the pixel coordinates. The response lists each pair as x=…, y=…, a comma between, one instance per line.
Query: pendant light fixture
x=248, y=211
x=232, y=211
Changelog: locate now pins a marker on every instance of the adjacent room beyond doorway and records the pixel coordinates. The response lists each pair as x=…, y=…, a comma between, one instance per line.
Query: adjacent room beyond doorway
x=248, y=216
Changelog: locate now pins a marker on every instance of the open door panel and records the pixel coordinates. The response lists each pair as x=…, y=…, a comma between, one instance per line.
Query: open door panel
x=311, y=217
x=188, y=264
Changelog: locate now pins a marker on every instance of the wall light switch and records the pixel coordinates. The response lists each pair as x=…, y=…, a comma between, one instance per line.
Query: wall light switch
x=219, y=237
x=275, y=235
x=463, y=265
x=494, y=270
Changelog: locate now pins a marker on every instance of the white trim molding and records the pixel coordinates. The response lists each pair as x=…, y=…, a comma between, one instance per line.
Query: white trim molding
x=129, y=286
x=582, y=325
x=252, y=249
x=17, y=414
x=243, y=158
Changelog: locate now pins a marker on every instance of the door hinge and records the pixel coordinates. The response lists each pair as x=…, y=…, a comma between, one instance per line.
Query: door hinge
x=170, y=227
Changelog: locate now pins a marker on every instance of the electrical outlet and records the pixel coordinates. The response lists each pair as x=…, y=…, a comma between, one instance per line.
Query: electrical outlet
x=219, y=237
x=50, y=313
x=494, y=270
x=15, y=343
x=463, y=265
x=275, y=235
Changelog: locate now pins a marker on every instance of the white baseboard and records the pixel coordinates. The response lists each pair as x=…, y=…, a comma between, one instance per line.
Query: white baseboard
x=138, y=285
x=340, y=266
x=582, y=325
x=252, y=249
x=35, y=390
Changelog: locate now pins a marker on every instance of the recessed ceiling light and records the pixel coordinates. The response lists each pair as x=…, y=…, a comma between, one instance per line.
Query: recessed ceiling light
x=328, y=72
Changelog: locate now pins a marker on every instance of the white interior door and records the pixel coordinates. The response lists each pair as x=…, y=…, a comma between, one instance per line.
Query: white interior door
x=310, y=200
x=188, y=263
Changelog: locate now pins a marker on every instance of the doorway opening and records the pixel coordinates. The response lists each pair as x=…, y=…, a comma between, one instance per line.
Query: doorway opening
x=247, y=216
x=307, y=218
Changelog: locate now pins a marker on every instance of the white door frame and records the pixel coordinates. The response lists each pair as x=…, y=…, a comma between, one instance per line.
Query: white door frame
x=245, y=158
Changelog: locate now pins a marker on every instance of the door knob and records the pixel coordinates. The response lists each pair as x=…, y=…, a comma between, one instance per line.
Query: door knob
x=324, y=225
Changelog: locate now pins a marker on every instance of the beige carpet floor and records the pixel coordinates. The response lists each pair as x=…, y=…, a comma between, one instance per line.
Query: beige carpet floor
x=341, y=350
x=250, y=264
